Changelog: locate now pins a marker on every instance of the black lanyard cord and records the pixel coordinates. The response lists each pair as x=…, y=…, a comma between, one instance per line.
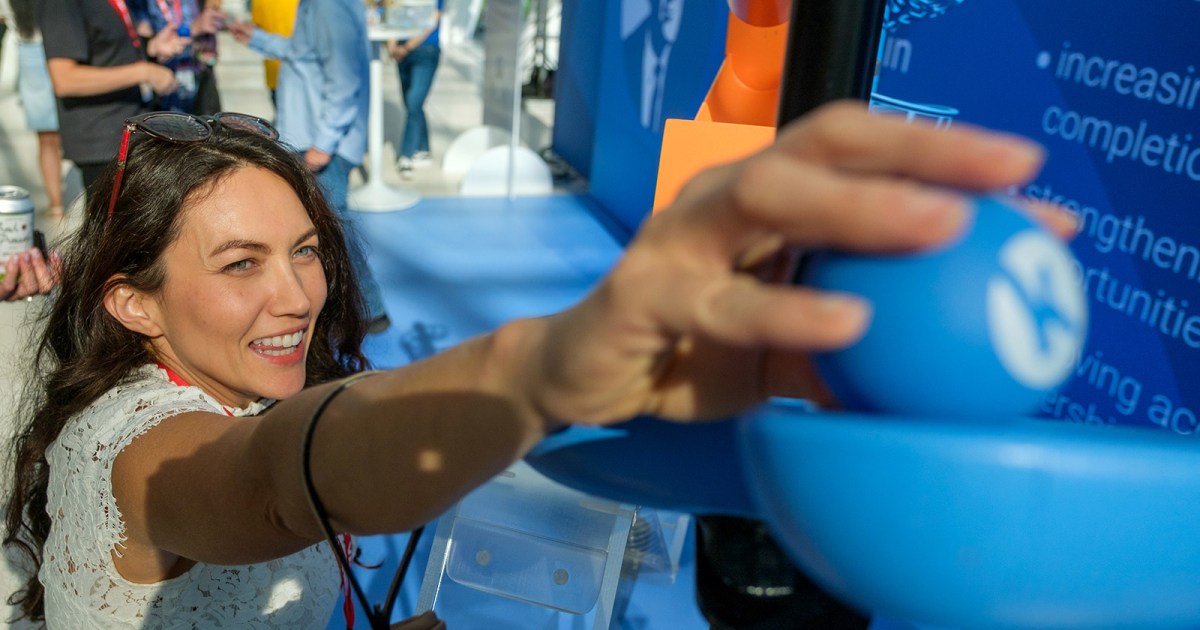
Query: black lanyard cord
x=378, y=617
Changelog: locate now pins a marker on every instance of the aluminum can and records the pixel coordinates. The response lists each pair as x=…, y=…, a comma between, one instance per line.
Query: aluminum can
x=16, y=222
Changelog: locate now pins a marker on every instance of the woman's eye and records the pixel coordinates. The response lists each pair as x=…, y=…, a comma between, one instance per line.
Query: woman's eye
x=308, y=251
x=241, y=265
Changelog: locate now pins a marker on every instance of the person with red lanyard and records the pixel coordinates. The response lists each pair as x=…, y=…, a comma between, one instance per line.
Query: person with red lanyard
x=101, y=74
x=194, y=65
x=201, y=425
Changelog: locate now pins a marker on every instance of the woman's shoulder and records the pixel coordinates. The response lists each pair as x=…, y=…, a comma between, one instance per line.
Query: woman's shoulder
x=149, y=388
x=140, y=401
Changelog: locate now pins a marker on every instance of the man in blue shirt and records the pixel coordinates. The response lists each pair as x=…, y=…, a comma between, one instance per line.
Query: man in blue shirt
x=323, y=97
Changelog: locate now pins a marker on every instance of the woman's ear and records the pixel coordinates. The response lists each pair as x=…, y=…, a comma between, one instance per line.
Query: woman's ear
x=134, y=309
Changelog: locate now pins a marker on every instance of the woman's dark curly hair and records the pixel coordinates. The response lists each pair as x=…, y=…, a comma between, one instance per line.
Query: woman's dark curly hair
x=82, y=351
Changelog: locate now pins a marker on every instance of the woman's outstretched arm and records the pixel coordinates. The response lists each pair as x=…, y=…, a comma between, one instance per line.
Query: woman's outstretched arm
x=687, y=326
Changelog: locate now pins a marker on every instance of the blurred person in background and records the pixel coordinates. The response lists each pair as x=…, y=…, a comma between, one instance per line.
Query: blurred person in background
x=194, y=65
x=322, y=106
x=140, y=13
x=102, y=74
x=37, y=100
x=416, y=60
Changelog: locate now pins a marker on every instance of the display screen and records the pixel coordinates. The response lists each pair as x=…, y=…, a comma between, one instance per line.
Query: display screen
x=1111, y=88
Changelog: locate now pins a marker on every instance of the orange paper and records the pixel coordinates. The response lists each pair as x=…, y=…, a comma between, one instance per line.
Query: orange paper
x=690, y=146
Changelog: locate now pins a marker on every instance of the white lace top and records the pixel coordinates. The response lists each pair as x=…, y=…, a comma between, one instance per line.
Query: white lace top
x=83, y=588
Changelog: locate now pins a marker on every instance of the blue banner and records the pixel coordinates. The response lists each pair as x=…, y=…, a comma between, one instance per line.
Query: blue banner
x=576, y=83
x=655, y=60
x=1111, y=89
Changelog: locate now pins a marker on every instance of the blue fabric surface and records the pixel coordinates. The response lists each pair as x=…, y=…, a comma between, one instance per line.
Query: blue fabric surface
x=452, y=268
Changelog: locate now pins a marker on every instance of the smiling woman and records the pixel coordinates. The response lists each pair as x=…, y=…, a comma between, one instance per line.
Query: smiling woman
x=211, y=312
x=239, y=307
x=195, y=301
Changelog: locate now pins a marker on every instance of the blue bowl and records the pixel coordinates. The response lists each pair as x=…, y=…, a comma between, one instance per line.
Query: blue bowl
x=1017, y=524
x=683, y=468
x=1025, y=524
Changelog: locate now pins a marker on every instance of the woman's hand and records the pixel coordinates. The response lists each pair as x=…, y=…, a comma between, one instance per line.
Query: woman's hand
x=242, y=31
x=697, y=320
x=316, y=160
x=397, y=50
x=423, y=621
x=27, y=274
x=209, y=21
x=158, y=77
x=167, y=43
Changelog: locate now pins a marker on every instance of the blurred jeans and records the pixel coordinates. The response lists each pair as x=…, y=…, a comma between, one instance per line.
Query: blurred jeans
x=334, y=180
x=416, y=78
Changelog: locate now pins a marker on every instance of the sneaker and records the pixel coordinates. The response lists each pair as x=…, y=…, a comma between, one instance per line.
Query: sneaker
x=405, y=164
x=379, y=324
x=422, y=158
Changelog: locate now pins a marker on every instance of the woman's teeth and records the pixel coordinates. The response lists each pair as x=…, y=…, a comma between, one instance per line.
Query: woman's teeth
x=278, y=345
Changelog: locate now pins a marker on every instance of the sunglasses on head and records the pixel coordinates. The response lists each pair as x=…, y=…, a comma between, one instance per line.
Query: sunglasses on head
x=182, y=128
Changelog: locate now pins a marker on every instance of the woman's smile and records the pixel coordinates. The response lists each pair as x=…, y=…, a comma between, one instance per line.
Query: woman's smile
x=286, y=347
x=244, y=286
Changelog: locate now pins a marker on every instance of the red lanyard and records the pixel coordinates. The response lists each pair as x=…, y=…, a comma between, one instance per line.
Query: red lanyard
x=347, y=541
x=178, y=380
x=167, y=15
x=347, y=601
x=123, y=11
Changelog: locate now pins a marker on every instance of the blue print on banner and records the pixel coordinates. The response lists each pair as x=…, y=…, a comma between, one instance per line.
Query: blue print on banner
x=659, y=60
x=1111, y=90
x=576, y=83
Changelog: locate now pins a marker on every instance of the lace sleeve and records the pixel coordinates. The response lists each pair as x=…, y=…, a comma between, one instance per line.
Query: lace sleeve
x=81, y=460
x=85, y=590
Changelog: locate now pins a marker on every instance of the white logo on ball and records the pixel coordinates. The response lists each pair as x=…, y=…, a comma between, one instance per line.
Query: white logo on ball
x=1037, y=313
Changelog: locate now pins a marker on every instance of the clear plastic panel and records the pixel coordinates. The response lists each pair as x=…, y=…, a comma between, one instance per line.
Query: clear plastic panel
x=524, y=537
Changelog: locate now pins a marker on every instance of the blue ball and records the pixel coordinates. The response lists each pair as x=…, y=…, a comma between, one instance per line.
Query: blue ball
x=982, y=328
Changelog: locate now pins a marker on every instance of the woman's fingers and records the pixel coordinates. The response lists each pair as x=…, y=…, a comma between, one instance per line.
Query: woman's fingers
x=844, y=135
x=1054, y=217
x=27, y=274
x=423, y=621
x=27, y=282
x=43, y=273
x=744, y=312
x=9, y=285
x=822, y=207
x=843, y=178
x=851, y=180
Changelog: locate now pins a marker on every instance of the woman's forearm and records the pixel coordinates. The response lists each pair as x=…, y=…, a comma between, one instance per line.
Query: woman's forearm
x=396, y=449
x=72, y=78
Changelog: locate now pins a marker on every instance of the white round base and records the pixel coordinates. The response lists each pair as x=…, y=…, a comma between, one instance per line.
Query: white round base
x=378, y=196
